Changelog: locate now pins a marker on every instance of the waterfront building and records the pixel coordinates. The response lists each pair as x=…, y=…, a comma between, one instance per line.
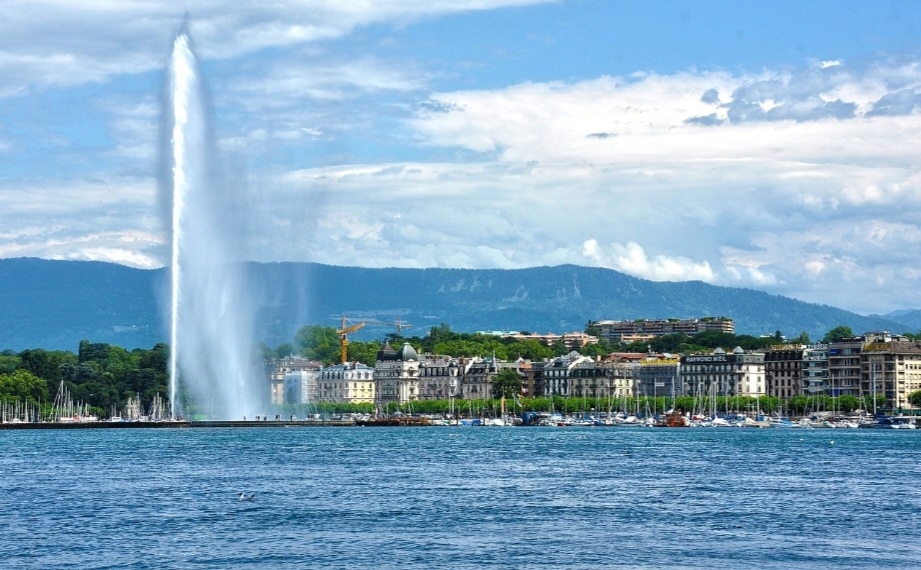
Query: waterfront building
x=738, y=373
x=617, y=331
x=891, y=367
x=589, y=379
x=814, y=376
x=783, y=370
x=277, y=368
x=530, y=371
x=397, y=374
x=657, y=375
x=349, y=383
x=477, y=376
x=621, y=379
x=439, y=378
x=844, y=366
x=636, y=374
x=559, y=375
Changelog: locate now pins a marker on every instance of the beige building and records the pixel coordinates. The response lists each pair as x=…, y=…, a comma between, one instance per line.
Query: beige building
x=397, y=375
x=350, y=383
x=891, y=367
x=621, y=379
x=844, y=366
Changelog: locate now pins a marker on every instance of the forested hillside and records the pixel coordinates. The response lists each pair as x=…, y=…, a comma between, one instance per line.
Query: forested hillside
x=56, y=304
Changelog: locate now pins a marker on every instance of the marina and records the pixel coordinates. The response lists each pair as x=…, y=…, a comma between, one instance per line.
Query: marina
x=672, y=419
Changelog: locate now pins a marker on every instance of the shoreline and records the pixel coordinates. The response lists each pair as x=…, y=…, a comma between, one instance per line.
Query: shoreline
x=177, y=424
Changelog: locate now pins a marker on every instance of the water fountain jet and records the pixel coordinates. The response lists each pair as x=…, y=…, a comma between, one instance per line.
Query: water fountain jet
x=212, y=369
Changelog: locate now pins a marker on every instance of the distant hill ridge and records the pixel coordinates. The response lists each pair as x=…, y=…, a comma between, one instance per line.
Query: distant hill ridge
x=55, y=304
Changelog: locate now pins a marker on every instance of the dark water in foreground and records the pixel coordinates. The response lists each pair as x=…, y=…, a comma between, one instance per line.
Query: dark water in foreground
x=460, y=498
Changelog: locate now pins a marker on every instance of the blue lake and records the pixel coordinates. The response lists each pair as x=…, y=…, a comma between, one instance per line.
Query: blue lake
x=460, y=498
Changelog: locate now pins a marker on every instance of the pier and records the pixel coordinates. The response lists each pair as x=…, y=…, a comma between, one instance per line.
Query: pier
x=178, y=424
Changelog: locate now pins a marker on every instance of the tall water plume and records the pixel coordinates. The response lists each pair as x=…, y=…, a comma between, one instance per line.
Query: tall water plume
x=212, y=370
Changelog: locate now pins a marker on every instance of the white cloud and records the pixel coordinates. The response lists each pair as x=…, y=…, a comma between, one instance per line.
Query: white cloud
x=61, y=43
x=631, y=258
x=793, y=180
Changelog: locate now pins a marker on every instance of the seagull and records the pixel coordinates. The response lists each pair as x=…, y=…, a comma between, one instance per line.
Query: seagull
x=245, y=497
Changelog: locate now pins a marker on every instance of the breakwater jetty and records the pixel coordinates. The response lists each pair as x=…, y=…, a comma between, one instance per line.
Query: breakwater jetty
x=178, y=424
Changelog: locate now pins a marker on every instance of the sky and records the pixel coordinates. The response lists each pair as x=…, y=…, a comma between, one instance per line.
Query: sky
x=768, y=145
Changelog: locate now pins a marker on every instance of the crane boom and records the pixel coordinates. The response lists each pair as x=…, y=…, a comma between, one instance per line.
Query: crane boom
x=401, y=325
x=343, y=333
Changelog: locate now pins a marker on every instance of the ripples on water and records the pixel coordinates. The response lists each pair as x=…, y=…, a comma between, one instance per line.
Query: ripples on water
x=459, y=498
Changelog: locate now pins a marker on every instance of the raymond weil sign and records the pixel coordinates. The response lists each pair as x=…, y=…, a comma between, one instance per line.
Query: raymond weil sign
x=712, y=359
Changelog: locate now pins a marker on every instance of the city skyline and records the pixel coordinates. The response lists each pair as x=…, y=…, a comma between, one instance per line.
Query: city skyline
x=764, y=146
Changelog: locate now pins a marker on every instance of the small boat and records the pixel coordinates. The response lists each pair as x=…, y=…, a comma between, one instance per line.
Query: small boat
x=673, y=419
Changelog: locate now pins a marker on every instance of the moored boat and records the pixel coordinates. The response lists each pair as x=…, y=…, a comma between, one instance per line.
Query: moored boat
x=673, y=419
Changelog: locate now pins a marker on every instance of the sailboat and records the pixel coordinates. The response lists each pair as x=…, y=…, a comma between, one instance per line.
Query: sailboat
x=65, y=411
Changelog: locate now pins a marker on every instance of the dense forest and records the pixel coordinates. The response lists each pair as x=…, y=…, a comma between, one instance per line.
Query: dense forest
x=101, y=376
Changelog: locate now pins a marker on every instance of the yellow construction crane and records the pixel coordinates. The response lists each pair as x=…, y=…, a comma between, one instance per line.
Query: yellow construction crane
x=400, y=325
x=343, y=333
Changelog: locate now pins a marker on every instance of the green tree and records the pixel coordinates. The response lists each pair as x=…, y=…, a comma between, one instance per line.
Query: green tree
x=79, y=373
x=669, y=342
x=8, y=363
x=156, y=358
x=838, y=334
x=364, y=352
x=559, y=348
x=716, y=339
x=915, y=399
x=800, y=404
x=284, y=350
x=22, y=385
x=45, y=364
x=507, y=383
x=529, y=349
x=146, y=382
x=317, y=342
x=89, y=351
x=847, y=403
x=441, y=333
x=595, y=350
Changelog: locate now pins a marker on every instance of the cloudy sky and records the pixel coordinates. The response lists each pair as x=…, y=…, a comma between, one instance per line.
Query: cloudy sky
x=772, y=145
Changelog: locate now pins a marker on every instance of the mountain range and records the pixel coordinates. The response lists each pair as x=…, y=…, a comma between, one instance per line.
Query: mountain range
x=55, y=304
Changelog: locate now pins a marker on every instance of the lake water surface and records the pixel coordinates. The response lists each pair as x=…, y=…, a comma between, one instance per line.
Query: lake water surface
x=460, y=498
